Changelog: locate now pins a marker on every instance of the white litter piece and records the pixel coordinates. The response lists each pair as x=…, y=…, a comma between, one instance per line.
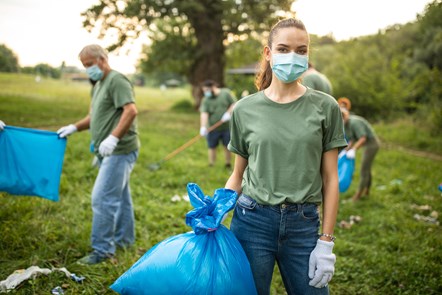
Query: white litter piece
x=20, y=275
x=421, y=208
x=427, y=219
x=175, y=198
x=352, y=220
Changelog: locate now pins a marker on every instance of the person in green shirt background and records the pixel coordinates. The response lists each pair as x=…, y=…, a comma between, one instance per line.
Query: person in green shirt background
x=286, y=139
x=113, y=127
x=315, y=80
x=216, y=107
x=360, y=133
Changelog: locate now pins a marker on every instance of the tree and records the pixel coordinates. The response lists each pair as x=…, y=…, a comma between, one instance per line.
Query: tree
x=431, y=33
x=206, y=25
x=8, y=60
x=43, y=70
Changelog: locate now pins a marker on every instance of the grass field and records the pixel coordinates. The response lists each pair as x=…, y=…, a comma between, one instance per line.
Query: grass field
x=388, y=251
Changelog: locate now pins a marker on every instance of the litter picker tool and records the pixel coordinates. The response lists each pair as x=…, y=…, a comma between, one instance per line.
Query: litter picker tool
x=156, y=166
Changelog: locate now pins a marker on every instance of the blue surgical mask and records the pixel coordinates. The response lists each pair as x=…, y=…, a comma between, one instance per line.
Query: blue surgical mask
x=208, y=94
x=94, y=73
x=288, y=67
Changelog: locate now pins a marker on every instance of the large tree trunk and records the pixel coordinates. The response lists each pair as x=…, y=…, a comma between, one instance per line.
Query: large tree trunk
x=210, y=60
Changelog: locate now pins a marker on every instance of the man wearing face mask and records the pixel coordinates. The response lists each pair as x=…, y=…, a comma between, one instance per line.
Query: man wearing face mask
x=217, y=105
x=112, y=123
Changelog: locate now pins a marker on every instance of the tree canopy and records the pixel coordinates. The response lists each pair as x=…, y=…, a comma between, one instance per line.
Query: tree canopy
x=188, y=36
x=395, y=71
x=8, y=60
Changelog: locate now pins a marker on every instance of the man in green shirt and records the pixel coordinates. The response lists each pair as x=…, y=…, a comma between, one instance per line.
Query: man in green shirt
x=216, y=107
x=359, y=133
x=313, y=79
x=112, y=122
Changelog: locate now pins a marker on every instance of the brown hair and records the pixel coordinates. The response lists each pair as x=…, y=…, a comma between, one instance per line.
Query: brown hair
x=344, y=102
x=264, y=76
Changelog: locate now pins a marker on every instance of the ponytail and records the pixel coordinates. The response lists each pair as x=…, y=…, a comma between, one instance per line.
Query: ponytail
x=264, y=76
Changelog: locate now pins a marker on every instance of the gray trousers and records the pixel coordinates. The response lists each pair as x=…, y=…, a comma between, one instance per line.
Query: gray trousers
x=370, y=150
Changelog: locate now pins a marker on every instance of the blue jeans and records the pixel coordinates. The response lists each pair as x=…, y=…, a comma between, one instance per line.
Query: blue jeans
x=285, y=233
x=113, y=215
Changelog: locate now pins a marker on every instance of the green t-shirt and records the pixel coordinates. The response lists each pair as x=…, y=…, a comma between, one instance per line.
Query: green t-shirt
x=357, y=127
x=216, y=106
x=317, y=81
x=284, y=144
x=109, y=97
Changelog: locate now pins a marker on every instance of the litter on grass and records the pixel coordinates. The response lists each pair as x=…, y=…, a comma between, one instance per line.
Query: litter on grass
x=431, y=218
x=353, y=219
x=177, y=198
x=428, y=219
x=57, y=291
x=21, y=275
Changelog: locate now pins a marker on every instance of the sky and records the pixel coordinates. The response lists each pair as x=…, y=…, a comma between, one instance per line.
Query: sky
x=50, y=31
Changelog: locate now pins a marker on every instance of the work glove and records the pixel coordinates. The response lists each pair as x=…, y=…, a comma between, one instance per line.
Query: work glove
x=2, y=125
x=66, y=130
x=226, y=117
x=203, y=131
x=108, y=145
x=351, y=154
x=321, y=264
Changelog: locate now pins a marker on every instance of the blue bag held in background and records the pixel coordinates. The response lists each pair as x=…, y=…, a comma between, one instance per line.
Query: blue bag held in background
x=346, y=168
x=209, y=260
x=31, y=162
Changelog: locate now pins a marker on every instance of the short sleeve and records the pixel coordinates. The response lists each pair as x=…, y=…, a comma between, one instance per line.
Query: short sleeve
x=334, y=130
x=203, y=106
x=237, y=144
x=122, y=91
x=359, y=130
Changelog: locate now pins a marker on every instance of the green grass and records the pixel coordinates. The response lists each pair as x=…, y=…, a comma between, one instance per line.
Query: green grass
x=388, y=252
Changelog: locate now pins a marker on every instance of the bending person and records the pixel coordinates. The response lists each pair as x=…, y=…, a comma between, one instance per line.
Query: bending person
x=360, y=134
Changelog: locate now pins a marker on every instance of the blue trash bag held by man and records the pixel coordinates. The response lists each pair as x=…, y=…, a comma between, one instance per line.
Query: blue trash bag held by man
x=209, y=260
x=31, y=162
x=346, y=167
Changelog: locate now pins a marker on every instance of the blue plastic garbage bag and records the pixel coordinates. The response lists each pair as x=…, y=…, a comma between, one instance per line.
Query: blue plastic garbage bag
x=346, y=168
x=209, y=260
x=31, y=162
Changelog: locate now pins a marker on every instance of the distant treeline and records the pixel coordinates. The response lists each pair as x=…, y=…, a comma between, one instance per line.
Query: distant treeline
x=395, y=71
x=386, y=75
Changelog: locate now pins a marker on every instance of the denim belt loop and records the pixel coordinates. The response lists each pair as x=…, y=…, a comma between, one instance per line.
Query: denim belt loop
x=293, y=206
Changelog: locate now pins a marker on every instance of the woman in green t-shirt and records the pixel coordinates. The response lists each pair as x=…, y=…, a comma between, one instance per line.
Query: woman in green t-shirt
x=285, y=139
x=360, y=134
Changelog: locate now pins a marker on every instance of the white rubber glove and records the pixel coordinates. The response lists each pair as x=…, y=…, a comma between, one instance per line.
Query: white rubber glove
x=66, y=130
x=108, y=145
x=2, y=125
x=321, y=264
x=351, y=154
x=203, y=131
x=226, y=117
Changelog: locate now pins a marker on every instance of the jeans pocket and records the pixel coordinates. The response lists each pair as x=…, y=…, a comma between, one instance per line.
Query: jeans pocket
x=310, y=211
x=246, y=202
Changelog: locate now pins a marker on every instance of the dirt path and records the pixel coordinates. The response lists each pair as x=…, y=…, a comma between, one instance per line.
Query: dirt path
x=418, y=153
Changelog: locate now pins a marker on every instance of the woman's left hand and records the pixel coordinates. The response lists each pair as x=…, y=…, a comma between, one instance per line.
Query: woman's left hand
x=321, y=264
